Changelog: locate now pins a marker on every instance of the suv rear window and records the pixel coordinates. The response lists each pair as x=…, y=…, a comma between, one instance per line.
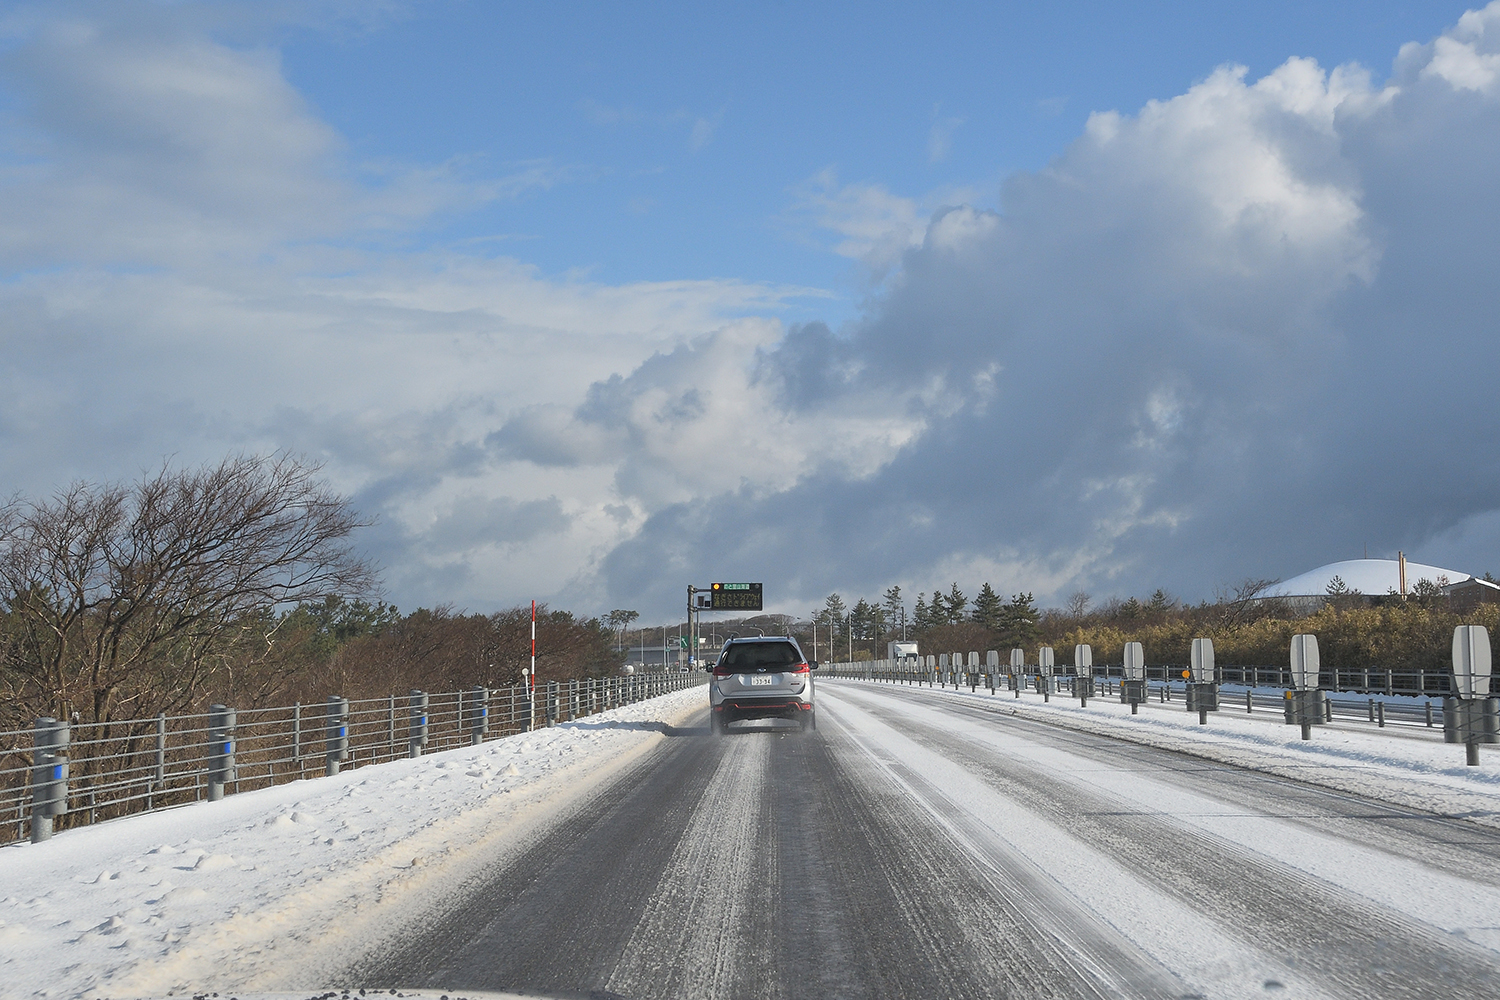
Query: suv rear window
x=759, y=656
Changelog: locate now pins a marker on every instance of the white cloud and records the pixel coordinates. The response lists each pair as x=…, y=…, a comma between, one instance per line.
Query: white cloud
x=940, y=136
x=874, y=226
x=1468, y=57
x=191, y=267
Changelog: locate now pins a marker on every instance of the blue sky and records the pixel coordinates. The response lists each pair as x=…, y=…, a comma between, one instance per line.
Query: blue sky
x=587, y=303
x=681, y=142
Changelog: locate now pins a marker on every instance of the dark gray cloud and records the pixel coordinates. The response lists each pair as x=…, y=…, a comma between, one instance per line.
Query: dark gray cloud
x=1240, y=333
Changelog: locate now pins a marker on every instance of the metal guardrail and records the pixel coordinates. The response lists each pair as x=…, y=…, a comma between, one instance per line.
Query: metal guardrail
x=129, y=766
x=1366, y=680
x=1383, y=704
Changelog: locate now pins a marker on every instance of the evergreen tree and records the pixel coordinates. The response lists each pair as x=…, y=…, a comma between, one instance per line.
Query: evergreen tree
x=832, y=614
x=987, y=608
x=1019, y=621
x=955, y=604
x=937, y=609
x=921, y=618
x=894, y=607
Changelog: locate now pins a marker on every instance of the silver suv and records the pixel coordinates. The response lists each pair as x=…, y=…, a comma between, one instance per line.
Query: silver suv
x=765, y=677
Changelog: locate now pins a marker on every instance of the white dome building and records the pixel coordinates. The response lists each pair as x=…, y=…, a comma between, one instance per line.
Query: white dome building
x=1371, y=577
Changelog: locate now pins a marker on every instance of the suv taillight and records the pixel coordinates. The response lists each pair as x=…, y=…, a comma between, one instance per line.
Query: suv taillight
x=799, y=668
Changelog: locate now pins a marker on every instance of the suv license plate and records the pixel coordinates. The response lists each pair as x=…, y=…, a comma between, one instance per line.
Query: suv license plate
x=761, y=680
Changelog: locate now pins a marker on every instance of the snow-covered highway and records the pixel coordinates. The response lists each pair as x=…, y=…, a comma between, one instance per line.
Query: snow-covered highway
x=918, y=843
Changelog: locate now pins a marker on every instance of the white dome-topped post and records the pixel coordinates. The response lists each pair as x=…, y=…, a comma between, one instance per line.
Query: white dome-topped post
x=1044, y=663
x=1203, y=681
x=1133, y=686
x=1083, y=668
x=1305, y=703
x=1470, y=715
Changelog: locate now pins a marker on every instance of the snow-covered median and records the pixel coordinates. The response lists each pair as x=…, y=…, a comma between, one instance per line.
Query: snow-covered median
x=1407, y=767
x=201, y=898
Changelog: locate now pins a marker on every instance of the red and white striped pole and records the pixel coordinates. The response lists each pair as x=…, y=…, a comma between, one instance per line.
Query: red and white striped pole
x=531, y=680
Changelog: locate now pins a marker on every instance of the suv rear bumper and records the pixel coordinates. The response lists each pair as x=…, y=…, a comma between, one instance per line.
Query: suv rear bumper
x=732, y=709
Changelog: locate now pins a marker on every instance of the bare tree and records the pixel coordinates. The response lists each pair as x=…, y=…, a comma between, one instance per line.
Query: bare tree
x=127, y=597
x=1244, y=602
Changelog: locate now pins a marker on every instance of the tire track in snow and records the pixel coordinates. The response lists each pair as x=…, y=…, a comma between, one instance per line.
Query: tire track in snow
x=702, y=912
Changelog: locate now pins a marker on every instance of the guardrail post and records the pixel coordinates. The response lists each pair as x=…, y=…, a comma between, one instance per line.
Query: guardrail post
x=297, y=733
x=551, y=702
x=479, y=715
x=336, y=734
x=161, y=758
x=416, y=726
x=221, y=750
x=49, y=776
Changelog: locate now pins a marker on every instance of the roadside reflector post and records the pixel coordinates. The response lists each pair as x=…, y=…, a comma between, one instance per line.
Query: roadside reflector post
x=1017, y=670
x=220, y=750
x=1203, y=684
x=1133, y=677
x=1470, y=715
x=416, y=723
x=335, y=734
x=992, y=665
x=1083, y=666
x=973, y=670
x=1306, y=706
x=479, y=714
x=1044, y=665
x=49, y=776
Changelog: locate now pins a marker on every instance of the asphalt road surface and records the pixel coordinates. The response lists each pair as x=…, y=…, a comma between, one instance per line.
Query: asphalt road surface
x=908, y=848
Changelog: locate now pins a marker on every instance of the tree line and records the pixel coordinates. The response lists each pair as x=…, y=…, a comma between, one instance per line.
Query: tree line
x=1355, y=631
x=235, y=582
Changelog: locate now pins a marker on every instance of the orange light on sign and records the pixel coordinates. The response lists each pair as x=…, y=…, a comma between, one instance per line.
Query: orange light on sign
x=1187, y=673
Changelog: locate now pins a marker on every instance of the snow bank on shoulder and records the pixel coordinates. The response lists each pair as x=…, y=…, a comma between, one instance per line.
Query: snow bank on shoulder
x=282, y=883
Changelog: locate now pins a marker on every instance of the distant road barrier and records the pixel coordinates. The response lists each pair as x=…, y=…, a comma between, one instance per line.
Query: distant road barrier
x=1375, y=696
x=72, y=775
x=1365, y=680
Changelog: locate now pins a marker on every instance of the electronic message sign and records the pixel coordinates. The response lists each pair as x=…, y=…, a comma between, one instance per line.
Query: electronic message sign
x=735, y=597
